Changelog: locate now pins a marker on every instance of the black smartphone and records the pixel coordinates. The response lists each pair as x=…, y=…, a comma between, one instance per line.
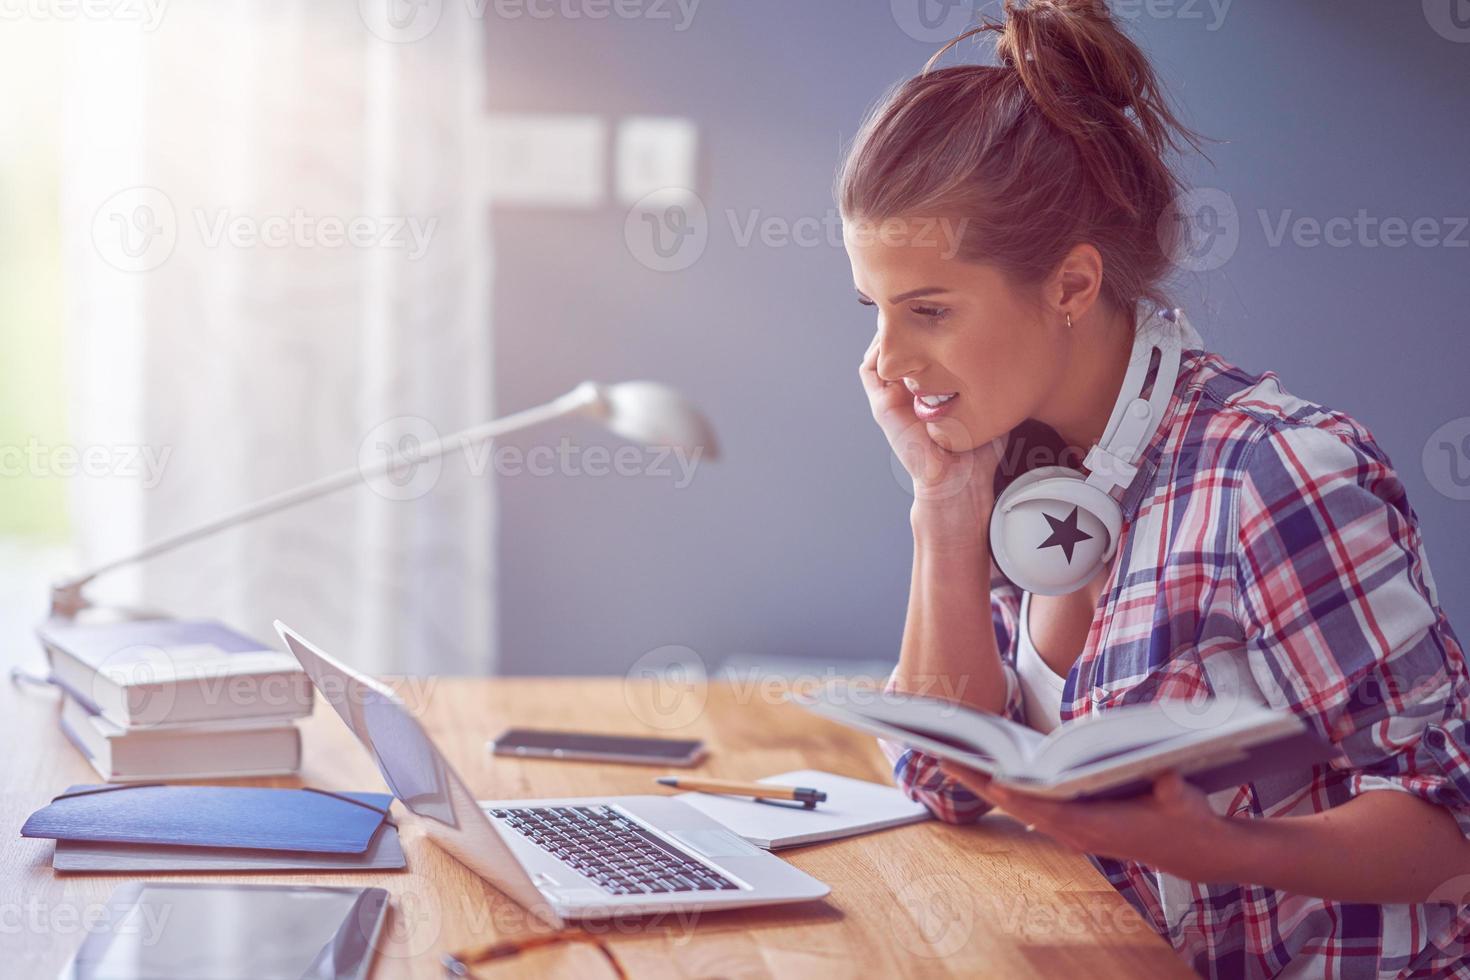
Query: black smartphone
x=547, y=744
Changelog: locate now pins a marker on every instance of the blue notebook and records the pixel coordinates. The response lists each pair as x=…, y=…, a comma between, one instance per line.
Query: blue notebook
x=213, y=816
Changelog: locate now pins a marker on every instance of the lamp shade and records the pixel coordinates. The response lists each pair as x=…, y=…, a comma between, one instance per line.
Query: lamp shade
x=656, y=415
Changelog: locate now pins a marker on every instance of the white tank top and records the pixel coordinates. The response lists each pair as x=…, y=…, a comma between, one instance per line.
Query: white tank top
x=1041, y=687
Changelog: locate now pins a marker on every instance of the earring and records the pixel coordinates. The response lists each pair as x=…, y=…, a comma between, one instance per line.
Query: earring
x=1069, y=321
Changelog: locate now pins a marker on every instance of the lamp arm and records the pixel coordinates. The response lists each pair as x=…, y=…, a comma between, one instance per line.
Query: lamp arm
x=66, y=595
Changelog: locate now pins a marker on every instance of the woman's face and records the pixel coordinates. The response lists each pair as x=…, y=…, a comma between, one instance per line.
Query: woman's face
x=957, y=328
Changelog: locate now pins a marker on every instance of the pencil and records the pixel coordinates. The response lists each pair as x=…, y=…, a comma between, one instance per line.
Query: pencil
x=767, y=791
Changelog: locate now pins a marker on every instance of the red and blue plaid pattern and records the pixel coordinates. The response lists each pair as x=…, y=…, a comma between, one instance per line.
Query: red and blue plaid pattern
x=1269, y=552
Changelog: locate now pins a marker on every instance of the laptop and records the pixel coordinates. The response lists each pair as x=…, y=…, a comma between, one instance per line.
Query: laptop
x=561, y=859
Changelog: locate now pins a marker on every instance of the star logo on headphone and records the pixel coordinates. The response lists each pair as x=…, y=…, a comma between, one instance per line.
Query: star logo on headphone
x=1064, y=534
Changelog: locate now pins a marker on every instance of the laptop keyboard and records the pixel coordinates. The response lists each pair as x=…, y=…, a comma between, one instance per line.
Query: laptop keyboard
x=612, y=850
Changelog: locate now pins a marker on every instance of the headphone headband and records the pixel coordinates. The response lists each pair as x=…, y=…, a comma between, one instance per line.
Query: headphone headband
x=1134, y=420
x=1053, y=530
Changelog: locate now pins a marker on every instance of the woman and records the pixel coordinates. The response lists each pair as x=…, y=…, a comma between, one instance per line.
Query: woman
x=1011, y=226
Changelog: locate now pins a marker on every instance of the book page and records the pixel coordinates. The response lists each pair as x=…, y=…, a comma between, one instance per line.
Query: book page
x=1009, y=744
x=1131, y=728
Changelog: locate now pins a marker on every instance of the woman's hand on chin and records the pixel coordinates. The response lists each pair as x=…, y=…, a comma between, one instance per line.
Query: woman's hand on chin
x=959, y=483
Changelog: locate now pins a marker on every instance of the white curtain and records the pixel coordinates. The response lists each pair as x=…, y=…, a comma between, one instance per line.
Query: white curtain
x=278, y=263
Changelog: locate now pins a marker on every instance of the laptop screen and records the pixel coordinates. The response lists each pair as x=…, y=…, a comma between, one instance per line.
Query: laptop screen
x=417, y=772
x=412, y=767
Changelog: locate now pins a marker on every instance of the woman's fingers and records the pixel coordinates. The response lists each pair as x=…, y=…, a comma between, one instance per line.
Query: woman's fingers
x=1058, y=819
x=868, y=369
x=983, y=785
x=886, y=398
x=972, y=779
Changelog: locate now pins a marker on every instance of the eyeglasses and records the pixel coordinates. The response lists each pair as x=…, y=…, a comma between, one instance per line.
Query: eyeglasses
x=460, y=964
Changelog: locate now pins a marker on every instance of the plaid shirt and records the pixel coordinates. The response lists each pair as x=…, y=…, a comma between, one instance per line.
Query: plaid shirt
x=1268, y=551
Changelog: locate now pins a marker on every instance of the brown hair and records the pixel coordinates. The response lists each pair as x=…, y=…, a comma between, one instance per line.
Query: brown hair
x=1064, y=142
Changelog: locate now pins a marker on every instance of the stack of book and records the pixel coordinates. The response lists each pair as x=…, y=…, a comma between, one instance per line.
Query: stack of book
x=161, y=699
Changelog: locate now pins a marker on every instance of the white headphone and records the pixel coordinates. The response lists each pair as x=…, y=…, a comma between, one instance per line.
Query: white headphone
x=1053, y=529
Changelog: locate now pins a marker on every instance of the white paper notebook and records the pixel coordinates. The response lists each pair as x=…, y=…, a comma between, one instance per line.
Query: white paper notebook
x=853, y=806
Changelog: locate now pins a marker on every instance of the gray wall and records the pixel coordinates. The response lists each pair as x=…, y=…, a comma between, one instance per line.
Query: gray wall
x=797, y=544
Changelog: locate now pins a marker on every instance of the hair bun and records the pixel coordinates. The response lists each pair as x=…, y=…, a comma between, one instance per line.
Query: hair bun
x=1074, y=43
x=1088, y=79
x=1067, y=145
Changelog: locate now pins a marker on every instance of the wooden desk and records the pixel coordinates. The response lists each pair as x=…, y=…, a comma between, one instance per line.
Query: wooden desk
x=924, y=900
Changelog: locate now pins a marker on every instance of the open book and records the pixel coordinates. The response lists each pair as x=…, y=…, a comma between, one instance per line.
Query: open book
x=1115, y=753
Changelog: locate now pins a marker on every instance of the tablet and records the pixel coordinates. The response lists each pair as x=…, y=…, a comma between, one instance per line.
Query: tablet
x=166, y=930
